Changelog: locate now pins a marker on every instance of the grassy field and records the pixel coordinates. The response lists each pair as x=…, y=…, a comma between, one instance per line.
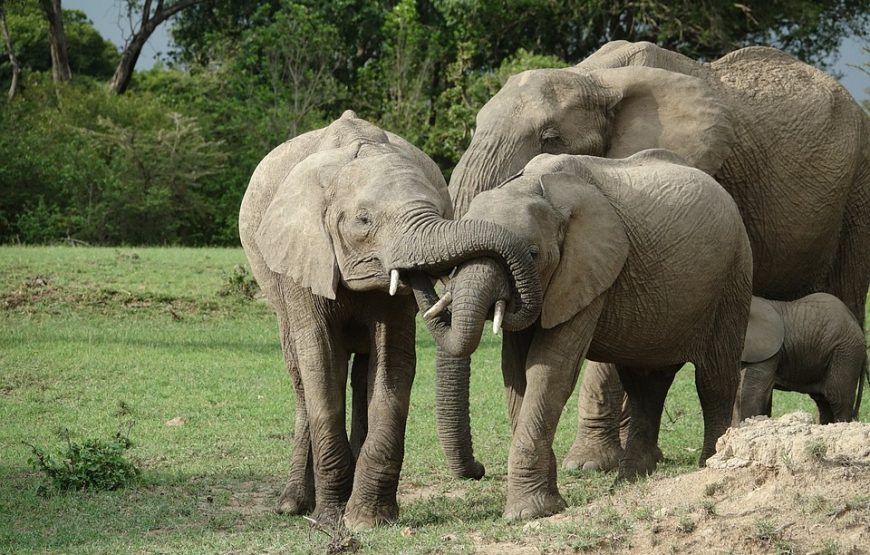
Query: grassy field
x=95, y=339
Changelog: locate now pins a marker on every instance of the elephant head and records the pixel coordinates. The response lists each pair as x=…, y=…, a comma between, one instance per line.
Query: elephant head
x=579, y=245
x=365, y=206
x=610, y=111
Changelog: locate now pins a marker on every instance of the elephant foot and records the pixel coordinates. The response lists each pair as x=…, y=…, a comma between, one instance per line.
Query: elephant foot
x=589, y=456
x=328, y=515
x=536, y=506
x=633, y=467
x=360, y=517
x=293, y=501
x=473, y=471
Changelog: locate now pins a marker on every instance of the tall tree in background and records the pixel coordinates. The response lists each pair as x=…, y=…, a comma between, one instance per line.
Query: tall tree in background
x=13, y=59
x=148, y=20
x=57, y=39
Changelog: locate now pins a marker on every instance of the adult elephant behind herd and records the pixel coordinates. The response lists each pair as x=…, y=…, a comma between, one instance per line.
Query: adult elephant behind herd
x=787, y=142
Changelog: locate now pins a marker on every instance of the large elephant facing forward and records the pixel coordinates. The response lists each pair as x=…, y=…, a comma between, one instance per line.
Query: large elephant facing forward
x=329, y=222
x=646, y=265
x=787, y=141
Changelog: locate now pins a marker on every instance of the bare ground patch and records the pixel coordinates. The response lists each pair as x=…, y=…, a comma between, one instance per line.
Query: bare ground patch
x=774, y=486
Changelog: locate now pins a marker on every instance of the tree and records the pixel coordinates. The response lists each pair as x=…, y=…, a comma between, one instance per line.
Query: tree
x=57, y=39
x=148, y=22
x=13, y=59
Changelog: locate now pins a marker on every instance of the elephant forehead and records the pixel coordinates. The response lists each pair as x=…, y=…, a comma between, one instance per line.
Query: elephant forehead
x=384, y=174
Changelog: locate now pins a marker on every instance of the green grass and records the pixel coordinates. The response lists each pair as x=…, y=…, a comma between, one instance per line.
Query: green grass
x=91, y=339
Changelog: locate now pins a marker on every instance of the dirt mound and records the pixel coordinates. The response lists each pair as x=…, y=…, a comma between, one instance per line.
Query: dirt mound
x=774, y=486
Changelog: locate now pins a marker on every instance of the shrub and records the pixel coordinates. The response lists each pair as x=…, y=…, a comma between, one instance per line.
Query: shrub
x=94, y=464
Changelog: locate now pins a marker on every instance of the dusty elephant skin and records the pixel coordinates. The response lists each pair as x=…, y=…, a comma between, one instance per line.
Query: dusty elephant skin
x=787, y=141
x=812, y=345
x=647, y=265
x=333, y=223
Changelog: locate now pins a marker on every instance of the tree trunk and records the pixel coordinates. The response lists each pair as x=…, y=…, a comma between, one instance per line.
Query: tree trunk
x=148, y=22
x=60, y=71
x=13, y=59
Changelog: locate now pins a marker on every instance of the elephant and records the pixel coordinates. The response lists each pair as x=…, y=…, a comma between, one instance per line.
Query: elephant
x=784, y=139
x=812, y=345
x=334, y=222
x=645, y=264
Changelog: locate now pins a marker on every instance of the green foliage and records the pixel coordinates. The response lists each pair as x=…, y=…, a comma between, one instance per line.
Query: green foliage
x=239, y=283
x=89, y=53
x=93, y=465
x=168, y=162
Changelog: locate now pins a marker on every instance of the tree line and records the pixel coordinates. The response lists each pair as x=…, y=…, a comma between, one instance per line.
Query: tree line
x=92, y=150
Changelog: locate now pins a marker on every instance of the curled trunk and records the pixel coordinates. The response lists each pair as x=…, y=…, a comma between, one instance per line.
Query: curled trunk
x=437, y=246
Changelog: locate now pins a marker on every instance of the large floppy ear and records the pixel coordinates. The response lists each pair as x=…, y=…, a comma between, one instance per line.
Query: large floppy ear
x=594, y=249
x=658, y=108
x=292, y=236
x=764, y=333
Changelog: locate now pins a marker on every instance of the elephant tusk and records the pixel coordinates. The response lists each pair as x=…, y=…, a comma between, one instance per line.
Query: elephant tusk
x=394, y=281
x=439, y=306
x=498, y=317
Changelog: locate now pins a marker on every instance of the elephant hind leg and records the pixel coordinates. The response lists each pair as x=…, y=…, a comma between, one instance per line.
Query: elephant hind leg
x=360, y=394
x=602, y=413
x=841, y=385
x=298, y=495
x=646, y=389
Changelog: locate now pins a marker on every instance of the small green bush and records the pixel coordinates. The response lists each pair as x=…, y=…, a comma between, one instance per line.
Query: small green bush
x=239, y=283
x=94, y=464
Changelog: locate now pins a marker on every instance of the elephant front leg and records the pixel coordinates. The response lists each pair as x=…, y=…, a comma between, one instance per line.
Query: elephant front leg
x=552, y=367
x=646, y=389
x=323, y=369
x=373, y=501
x=603, y=415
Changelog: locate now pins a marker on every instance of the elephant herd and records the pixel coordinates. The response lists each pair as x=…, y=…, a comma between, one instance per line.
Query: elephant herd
x=640, y=210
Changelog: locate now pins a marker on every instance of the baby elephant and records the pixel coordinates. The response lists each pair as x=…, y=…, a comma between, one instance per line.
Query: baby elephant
x=812, y=345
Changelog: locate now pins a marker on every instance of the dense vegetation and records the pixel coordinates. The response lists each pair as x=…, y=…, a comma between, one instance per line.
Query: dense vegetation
x=168, y=161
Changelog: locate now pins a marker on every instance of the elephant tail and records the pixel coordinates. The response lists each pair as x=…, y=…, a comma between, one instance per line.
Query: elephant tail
x=864, y=376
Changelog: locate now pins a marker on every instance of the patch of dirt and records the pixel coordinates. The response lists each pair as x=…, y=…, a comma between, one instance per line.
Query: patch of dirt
x=774, y=486
x=412, y=493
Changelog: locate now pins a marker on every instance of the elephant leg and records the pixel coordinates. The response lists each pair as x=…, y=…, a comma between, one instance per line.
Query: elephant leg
x=755, y=389
x=359, y=377
x=841, y=384
x=603, y=413
x=646, y=389
x=716, y=383
x=323, y=366
x=552, y=367
x=376, y=482
x=298, y=495
x=850, y=275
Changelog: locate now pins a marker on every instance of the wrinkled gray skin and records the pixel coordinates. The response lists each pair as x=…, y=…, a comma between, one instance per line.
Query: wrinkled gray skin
x=647, y=266
x=812, y=345
x=325, y=219
x=787, y=141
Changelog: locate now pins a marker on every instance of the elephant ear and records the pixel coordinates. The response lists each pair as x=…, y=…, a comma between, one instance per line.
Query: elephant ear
x=764, y=332
x=292, y=236
x=658, y=108
x=594, y=249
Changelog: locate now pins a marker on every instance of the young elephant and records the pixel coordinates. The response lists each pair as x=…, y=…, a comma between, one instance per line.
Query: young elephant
x=330, y=221
x=645, y=263
x=812, y=345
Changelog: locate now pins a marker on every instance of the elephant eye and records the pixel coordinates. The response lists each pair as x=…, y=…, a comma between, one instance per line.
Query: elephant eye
x=363, y=218
x=551, y=136
x=533, y=251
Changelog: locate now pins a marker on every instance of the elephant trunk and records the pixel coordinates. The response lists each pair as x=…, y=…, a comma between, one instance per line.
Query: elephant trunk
x=436, y=246
x=452, y=413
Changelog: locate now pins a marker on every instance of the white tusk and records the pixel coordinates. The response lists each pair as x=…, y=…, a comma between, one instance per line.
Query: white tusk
x=439, y=307
x=394, y=281
x=498, y=316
